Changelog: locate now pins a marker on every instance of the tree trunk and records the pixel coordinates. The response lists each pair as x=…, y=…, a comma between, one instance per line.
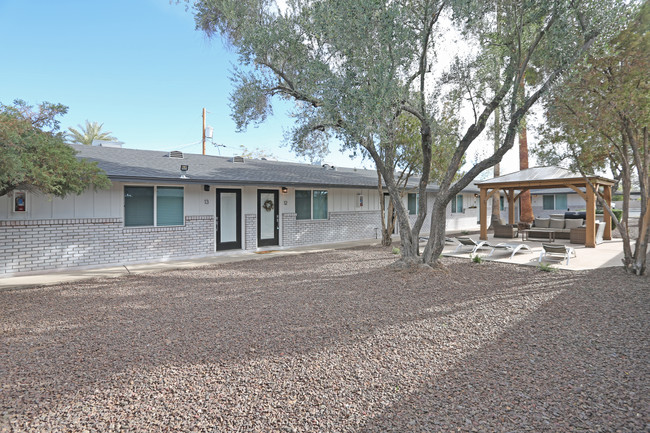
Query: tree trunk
x=436, y=244
x=386, y=239
x=496, y=198
x=525, y=203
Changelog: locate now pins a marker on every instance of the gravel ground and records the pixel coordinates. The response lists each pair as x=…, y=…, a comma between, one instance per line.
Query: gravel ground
x=332, y=341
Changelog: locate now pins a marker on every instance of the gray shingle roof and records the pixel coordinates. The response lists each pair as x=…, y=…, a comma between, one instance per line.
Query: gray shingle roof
x=126, y=165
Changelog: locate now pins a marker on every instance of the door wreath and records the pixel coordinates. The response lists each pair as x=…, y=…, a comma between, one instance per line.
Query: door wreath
x=268, y=205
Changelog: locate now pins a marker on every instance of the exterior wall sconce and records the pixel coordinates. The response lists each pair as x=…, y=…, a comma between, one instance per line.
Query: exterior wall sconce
x=284, y=190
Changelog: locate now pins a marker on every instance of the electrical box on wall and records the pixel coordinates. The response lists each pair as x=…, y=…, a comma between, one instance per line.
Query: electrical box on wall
x=20, y=201
x=360, y=202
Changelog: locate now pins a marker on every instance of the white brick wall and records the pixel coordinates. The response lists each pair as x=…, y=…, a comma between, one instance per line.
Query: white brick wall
x=250, y=231
x=339, y=227
x=40, y=245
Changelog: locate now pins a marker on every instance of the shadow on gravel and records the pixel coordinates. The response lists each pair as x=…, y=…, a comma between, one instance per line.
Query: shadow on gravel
x=69, y=339
x=581, y=362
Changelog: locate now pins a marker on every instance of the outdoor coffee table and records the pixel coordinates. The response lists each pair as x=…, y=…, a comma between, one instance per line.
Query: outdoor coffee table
x=525, y=235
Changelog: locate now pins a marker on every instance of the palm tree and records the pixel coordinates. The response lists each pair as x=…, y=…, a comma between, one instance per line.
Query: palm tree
x=92, y=131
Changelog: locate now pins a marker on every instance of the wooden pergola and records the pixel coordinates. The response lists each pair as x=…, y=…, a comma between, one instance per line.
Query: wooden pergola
x=547, y=178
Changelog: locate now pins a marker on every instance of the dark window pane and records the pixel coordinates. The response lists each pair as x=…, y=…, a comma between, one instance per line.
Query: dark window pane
x=138, y=206
x=303, y=205
x=169, y=206
x=320, y=205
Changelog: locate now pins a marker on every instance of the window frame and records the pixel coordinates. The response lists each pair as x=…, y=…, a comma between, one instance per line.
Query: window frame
x=155, y=206
x=311, y=205
x=544, y=207
x=454, y=203
x=417, y=202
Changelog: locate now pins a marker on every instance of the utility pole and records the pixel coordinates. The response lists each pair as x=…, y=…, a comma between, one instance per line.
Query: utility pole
x=204, y=130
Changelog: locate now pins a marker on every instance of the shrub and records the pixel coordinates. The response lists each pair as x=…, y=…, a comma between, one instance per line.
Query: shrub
x=396, y=250
x=477, y=259
x=617, y=212
x=546, y=267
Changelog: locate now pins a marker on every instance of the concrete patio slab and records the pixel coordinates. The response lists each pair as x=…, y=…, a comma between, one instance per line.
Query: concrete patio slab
x=607, y=254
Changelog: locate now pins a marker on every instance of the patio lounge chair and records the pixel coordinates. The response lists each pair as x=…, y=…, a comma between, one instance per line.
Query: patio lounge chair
x=469, y=242
x=426, y=238
x=557, y=250
x=514, y=247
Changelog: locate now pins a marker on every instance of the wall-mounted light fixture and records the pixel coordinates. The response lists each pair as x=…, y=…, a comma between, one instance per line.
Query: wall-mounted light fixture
x=184, y=169
x=206, y=188
x=284, y=190
x=475, y=195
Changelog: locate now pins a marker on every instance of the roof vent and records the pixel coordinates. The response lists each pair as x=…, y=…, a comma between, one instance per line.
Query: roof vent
x=107, y=143
x=175, y=154
x=237, y=159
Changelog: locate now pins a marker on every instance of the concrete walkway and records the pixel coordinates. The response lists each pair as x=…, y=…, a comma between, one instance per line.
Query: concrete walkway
x=607, y=254
x=56, y=277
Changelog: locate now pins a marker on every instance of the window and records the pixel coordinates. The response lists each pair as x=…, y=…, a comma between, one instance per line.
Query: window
x=169, y=206
x=560, y=201
x=310, y=203
x=554, y=202
x=548, y=202
x=320, y=205
x=138, y=206
x=457, y=204
x=412, y=202
x=502, y=203
x=140, y=202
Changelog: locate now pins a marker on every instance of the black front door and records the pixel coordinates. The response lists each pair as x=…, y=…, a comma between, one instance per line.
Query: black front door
x=268, y=218
x=228, y=219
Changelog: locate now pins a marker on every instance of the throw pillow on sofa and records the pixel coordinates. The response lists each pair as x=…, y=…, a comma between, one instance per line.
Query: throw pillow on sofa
x=572, y=224
x=542, y=223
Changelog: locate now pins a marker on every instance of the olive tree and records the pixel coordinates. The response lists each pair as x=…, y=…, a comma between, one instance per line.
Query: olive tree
x=351, y=65
x=599, y=120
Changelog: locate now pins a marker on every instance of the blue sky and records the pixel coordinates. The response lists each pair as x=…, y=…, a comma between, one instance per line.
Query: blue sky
x=138, y=66
x=141, y=68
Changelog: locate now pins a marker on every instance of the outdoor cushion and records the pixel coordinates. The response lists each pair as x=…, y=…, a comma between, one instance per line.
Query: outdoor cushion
x=571, y=224
x=542, y=223
x=556, y=223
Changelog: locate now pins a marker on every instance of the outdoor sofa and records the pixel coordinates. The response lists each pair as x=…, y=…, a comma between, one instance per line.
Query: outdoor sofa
x=560, y=226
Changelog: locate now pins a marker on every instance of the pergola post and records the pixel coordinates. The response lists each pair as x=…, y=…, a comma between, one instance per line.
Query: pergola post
x=483, y=214
x=510, y=193
x=590, y=238
x=607, y=195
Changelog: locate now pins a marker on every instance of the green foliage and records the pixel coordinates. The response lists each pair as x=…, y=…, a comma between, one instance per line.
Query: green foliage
x=254, y=154
x=396, y=250
x=599, y=120
x=86, y=134
x=35, y=157
x=477, y=259
x=617, y=212
x=353, y=68
x=546, y=267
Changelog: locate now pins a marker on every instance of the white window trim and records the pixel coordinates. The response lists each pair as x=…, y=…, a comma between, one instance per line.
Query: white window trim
x=155, y=206
x=311, y=204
